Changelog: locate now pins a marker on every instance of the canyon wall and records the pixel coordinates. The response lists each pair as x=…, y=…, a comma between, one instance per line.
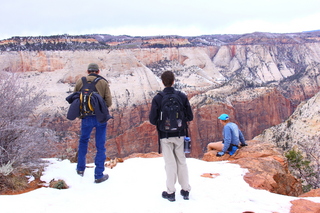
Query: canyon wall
x=258, y=83
x=301, y=131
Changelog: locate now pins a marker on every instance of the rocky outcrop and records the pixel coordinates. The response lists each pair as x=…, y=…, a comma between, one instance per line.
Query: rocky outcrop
x=268, y=169
x=301, y=133
x=305, y=206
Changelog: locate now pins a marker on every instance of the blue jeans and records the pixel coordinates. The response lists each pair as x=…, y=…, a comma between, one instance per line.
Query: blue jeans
x=87, y=125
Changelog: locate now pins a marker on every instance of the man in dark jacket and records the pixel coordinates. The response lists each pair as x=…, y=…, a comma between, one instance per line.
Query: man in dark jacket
x=172, y=144
x=90, y=122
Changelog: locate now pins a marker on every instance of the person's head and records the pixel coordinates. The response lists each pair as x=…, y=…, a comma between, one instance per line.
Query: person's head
x=224, y=118
x=167, y=78
x=93, y=68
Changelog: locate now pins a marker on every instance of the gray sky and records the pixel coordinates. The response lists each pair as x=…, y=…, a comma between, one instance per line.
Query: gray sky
x=156, y=17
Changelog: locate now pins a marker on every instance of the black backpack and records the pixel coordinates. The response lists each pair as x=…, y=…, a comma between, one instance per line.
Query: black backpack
x=86, y=92
x=172, y=113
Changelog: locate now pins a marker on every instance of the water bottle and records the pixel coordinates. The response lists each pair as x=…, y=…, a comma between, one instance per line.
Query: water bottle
x=187, y=145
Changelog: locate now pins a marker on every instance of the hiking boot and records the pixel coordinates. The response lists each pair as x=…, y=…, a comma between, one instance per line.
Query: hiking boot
x=81, y=173
x=170, y=197
x=100, y=180
x=185, y=194
x=233, y=150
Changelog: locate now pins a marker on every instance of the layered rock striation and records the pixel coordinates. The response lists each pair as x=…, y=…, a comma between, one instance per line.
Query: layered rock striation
x=259, y=79
x=301, y=129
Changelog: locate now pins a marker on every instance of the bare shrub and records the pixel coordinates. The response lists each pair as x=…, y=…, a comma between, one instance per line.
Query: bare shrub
x=23, y=139
x=6, y=169
x=12, y=183
x=304, y=162
x=21, y=180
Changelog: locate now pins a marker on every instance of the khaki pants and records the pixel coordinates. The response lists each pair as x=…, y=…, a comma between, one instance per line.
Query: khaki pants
x=175, y=163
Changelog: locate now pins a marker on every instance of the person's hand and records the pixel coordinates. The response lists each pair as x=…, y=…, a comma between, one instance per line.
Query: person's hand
x=244, y=144
x=219, y=154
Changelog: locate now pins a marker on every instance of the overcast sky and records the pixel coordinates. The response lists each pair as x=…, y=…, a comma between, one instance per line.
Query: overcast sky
x=156, y=17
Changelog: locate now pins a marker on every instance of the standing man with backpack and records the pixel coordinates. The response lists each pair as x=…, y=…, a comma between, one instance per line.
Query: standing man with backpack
x=91, y=120
x=170, y=112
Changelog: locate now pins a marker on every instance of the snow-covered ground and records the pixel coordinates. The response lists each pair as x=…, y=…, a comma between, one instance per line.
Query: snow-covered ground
x=136, y=185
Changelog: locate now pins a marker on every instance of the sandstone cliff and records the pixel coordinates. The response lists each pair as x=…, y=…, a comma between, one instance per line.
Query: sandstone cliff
x=300, y=132
x=301, y=129
x=258, y=79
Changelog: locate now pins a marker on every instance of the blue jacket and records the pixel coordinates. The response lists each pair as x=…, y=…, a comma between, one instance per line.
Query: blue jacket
x=232, y=135
x=100, y=108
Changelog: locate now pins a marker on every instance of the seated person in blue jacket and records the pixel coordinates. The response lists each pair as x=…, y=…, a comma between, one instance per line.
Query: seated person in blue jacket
x=232, y=136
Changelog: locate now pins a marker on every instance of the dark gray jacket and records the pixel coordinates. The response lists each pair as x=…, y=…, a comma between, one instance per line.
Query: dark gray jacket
x=100, y=108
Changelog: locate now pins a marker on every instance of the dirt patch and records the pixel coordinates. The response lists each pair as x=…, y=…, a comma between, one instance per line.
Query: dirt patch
x=35, y=184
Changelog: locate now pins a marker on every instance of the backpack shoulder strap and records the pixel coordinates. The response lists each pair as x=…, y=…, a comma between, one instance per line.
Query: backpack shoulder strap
x=84, y=81
x=96, y=80
x=98, y=76
x=92, y=85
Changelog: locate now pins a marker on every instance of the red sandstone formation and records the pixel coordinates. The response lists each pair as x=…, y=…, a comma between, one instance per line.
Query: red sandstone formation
x=268, y=169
